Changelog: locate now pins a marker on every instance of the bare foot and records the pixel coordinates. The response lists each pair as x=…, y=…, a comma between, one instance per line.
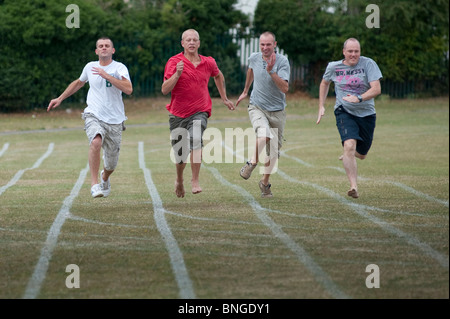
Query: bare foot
x=179, y=189
x=196, y=187
x=353, y=193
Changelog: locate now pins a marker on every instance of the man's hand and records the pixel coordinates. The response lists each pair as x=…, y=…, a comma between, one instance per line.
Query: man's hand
x=241, y=97
x=180, y=67
x=321, y=113
x=230, y=104
x=53, y=103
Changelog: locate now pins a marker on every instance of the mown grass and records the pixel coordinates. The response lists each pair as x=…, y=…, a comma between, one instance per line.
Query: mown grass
x=309, y=241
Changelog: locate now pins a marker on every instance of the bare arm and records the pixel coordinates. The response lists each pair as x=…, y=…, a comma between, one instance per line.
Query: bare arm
x=123, y=84
x=170, y=83
x=374, y=91
x=248, y=82
x=71, y=89
x=323, y=92
x=219, y=79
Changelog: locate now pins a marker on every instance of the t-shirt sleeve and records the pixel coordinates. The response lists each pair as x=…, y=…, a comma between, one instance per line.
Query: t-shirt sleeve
x=284, y=70
x=170, y=68
x=84, y=73
x=373, y=71
x=122, y=72
x=328, y=75
x=213, y=67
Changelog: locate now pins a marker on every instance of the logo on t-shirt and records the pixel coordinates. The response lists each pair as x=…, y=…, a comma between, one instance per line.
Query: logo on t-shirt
x=109, y=84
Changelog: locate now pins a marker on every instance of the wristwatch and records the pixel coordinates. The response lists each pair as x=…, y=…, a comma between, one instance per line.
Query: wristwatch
x=359, y=98
x=272, y=71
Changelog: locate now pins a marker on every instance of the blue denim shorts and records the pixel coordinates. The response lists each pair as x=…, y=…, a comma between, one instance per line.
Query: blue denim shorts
x=360, y=129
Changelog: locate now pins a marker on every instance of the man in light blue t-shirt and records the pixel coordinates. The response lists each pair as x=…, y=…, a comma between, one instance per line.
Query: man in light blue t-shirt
x=269, y=72
x=357, y=83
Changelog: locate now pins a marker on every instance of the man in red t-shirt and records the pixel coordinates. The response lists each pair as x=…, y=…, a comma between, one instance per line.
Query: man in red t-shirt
x=186, y=76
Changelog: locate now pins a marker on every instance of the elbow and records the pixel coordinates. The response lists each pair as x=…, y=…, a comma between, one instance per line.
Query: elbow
x=129, y=91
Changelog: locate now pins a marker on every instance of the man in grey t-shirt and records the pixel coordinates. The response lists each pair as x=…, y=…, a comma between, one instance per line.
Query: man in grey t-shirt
x=269, y=72
x=357, y=83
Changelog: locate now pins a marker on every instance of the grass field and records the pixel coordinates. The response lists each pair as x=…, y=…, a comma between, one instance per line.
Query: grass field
x=310, y=241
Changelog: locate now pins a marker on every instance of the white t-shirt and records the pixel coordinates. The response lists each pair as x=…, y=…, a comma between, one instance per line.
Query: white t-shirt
x=104, y=100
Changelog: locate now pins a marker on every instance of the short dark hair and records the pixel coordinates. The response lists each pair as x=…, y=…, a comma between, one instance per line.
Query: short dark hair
x=104, y=38
x=269, y=33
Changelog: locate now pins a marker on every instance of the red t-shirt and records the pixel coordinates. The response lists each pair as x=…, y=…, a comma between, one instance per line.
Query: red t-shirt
x=190, y=95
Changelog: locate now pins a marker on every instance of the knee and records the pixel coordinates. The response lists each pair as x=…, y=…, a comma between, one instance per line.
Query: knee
x=361, y=157
x=96, y=142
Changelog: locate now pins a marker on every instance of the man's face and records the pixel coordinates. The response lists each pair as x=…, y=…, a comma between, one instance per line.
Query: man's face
x=267, y=45
x=352, y=52
x=104, y=49
x=190, y=42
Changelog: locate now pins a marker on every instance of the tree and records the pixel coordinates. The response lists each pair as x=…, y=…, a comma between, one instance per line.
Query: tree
x=40, y=55
x=410, y=45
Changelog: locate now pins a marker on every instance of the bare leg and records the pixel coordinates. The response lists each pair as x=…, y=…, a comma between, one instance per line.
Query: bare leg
x=94, y=158
x=179, y=187
x=350, y=166
x=106, y=174
x=196, y=162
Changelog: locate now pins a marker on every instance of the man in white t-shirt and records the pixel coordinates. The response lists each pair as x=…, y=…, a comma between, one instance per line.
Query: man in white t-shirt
x=105, y=112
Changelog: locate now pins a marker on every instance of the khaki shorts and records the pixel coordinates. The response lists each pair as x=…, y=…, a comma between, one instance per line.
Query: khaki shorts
x=186, y=134
x=268, y=124
x=111, y=138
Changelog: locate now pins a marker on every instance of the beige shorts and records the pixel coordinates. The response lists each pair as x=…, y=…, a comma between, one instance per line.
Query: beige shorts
x=268, y=124
x=111, y=138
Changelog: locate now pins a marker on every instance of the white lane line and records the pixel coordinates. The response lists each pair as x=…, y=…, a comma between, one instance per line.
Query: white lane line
x=20, y=172
x=319, y=274
x=362, y=211
x=4, y=148
x=175, y=254
x=400, y=185
x=40, y=270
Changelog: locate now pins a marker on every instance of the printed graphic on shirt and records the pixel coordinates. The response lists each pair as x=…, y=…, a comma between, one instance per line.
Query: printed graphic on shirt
x=350, y=80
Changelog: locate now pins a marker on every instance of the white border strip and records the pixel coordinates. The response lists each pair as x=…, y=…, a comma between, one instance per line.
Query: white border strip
x=35, y=282
x=175, y=254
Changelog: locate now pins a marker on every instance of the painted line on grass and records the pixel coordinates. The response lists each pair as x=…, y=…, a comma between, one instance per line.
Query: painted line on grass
x=319, y=274
x=398, y=184
x=22, y=171
x=40, y=270
x=175, y=254
x=4, y=148
x=362, y=211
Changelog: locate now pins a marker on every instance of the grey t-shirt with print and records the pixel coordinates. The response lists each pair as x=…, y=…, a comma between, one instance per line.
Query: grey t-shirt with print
x=353, y=80
x=265, y=93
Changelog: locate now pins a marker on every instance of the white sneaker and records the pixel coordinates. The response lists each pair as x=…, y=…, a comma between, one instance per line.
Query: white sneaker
x=96, y=191
x=105, y=185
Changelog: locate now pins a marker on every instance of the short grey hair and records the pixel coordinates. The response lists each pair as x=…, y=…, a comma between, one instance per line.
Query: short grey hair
x=350, y=39
x=190, y=30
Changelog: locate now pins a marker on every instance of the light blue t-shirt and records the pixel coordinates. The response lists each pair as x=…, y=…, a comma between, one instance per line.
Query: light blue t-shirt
x=265, y=93
x=353, y=80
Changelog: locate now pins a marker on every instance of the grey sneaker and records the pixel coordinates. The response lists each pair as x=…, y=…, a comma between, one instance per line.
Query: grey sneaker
x=105, y=185
x=265, y=190
x=247, y=170
x=96, y=191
